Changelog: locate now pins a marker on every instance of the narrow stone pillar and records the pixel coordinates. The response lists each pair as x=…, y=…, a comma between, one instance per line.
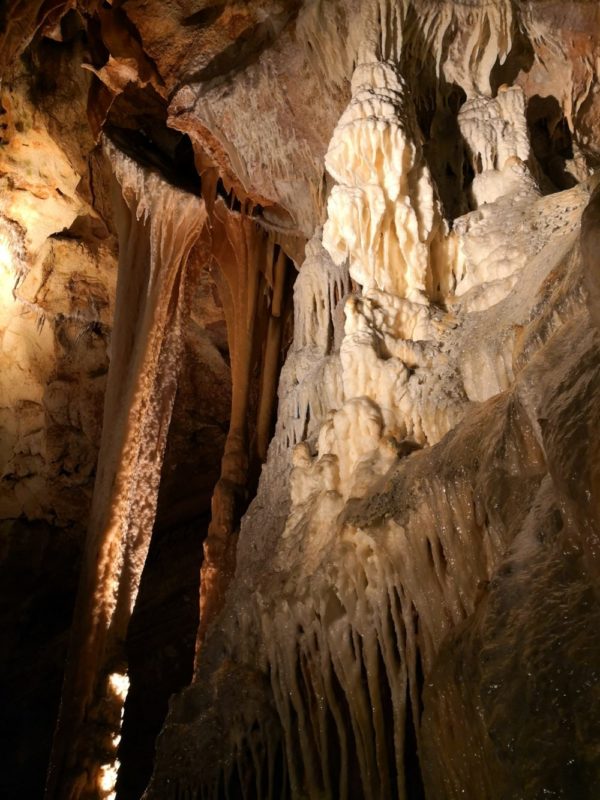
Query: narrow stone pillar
x=158, y=226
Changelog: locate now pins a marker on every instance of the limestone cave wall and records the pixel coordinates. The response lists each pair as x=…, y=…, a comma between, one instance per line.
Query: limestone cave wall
x=299, y=399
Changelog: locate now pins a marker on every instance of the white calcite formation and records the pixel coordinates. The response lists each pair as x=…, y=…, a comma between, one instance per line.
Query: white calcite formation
x=409, y=452
x=421, y=486
x=383, y=210
x=311, y=382
x=507, y=197
x=495, y=131
x=384, y=219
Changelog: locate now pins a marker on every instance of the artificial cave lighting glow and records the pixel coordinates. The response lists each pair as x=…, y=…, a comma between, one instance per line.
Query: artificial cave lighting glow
x=107, y=781
x=7, y=278
x=108, y=772
x=119, y=685
x=11, y=258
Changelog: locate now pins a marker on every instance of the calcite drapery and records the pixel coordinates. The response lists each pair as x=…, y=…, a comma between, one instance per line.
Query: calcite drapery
x=251, y=282
x=158, y=227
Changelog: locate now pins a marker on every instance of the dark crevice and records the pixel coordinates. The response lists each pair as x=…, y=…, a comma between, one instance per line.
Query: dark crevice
x=205, y=17
x=519, y=59
x=412, y=768
x=39, y=564
x=160, y=645
x=387, y=706
x=165, y=151
x=551, y=141
x=414, y=710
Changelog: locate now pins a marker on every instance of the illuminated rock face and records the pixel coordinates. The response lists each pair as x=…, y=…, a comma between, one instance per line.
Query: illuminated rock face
x=383, y=210
x=409, y=606
x=412, y=512
x=57, y=276
x=158, y=227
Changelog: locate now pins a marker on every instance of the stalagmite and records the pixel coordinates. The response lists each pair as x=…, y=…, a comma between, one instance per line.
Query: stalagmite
x=158, y=227
x=394, y=245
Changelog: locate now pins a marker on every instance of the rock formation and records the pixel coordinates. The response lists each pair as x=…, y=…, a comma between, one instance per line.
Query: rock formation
x=329, y=268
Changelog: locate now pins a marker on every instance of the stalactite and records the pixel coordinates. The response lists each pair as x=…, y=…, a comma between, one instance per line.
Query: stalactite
x=343, y=658
x=252, y=292
x=239, y=249
x=310, y=385
x=158, y=227
x=271, y=359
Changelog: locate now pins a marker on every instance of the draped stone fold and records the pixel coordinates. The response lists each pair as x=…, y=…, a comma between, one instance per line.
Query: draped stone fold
x=158, y=227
